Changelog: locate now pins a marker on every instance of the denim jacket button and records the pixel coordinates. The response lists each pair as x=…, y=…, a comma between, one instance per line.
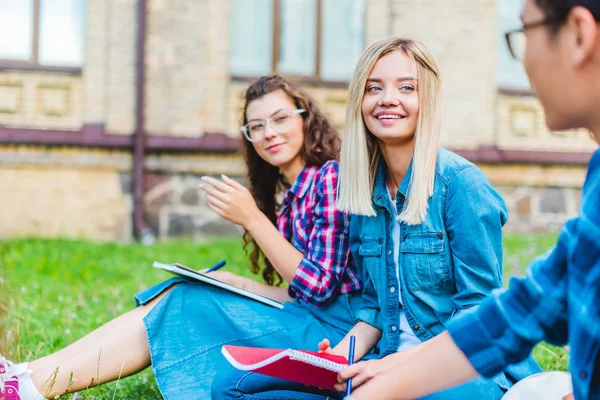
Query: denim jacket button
x=389, y=252
x=582, y=375
x=380, y=240
x=392, y=289
x=394, y=328
x=416, y=327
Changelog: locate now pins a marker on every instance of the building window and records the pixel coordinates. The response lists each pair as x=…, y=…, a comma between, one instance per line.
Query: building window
x=511, y=74
x=39, y=34
x=319, y=39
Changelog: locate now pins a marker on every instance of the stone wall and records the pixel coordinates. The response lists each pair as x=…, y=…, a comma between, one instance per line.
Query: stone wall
x=175, y=207
x=87, y=193
x=539, y=198
x=63, y=193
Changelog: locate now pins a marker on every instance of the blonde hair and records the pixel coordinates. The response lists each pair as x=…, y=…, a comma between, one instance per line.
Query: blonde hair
x=360, y=154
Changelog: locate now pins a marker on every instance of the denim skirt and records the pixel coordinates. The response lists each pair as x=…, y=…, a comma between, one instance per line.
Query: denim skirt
x=188, y=326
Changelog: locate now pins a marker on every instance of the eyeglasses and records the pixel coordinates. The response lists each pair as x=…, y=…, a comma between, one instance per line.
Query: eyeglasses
x=255, y=130
x=516, y=39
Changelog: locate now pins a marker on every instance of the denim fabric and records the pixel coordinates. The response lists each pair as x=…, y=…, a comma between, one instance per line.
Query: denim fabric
x=241, y=385
x=448, y=263
x=235, y=384
x=188, y=326
x=557, y=301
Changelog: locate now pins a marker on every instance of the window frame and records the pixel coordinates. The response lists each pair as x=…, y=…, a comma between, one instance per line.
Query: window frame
x=502, y=46
x=33, y=63
x=314, y=79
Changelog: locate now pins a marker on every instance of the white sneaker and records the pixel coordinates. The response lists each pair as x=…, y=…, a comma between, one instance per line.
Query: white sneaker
x=9, y=379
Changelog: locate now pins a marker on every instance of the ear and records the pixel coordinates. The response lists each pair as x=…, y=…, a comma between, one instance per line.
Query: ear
x=585, y=39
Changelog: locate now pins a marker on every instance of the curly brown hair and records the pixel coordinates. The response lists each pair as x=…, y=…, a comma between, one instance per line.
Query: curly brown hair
x=321, y=144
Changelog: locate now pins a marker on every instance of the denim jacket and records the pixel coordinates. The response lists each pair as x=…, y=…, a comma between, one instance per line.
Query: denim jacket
x=448, y=263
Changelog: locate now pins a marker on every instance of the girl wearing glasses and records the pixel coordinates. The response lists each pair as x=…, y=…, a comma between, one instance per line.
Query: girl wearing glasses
x=426, y=225
x=295, y=235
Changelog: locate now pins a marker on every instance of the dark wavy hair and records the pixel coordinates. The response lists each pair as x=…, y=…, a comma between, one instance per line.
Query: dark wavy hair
x=321, y=144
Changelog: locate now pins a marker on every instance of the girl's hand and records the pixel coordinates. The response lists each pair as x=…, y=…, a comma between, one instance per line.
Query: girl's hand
x=360, y=373
x=229, y=278
x=325, y=347
x=230, y=200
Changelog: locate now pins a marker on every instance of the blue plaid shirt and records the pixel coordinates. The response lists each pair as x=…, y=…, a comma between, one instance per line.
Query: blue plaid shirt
x=558, y=301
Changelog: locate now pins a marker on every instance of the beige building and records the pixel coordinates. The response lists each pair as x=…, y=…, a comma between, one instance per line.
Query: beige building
x=111, y=110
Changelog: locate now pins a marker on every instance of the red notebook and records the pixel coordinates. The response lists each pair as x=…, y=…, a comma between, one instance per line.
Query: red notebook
x=307, y=367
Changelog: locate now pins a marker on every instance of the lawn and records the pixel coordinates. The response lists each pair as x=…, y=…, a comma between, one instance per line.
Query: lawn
x=55, y=291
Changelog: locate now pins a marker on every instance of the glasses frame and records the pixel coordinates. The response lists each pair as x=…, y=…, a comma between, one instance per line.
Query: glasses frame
x=525, y=27
x=246, y=131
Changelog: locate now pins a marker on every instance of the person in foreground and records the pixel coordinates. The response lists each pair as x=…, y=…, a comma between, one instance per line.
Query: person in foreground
x=426, y=225
x=559, y=298
x=180, y=326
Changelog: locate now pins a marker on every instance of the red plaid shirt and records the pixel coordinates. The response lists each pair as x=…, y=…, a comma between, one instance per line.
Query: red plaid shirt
x=309, y=220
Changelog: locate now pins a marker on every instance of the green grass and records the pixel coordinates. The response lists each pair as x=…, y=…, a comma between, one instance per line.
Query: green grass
x=55, y=291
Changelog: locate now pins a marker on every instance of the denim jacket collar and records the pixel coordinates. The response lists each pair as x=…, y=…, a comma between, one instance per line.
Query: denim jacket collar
x=380, y=191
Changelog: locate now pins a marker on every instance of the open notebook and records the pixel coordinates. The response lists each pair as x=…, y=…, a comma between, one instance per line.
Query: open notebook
x=307, y=367
x=182, y=270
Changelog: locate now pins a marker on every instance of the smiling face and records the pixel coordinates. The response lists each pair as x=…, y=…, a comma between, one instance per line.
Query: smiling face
x=390, y=105
x=280, y=149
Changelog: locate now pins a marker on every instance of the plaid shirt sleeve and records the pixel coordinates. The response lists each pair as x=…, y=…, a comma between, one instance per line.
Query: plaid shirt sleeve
x=319, y=274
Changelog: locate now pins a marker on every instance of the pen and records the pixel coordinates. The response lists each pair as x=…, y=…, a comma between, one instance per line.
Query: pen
x=216, y=266
x=350, y=362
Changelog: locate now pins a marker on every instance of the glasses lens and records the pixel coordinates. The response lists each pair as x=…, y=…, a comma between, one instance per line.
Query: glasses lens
x=281, y=122
x=517, y=43
x=255, y=130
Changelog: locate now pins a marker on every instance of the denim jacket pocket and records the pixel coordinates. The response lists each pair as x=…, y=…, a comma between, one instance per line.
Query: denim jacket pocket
x=370, y=250
x=423, y=260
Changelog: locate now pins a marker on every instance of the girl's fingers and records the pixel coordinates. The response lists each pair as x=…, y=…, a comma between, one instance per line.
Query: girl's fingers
x=340, y=387
x=214, y=201
x=352, y=371
x=219, y=212
x=360, y=373
x=232, y=182
x=214, y=192
x=360, y=379
x=223, y=187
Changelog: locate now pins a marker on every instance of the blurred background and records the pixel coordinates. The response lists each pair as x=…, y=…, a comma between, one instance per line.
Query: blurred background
x=111, y=110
